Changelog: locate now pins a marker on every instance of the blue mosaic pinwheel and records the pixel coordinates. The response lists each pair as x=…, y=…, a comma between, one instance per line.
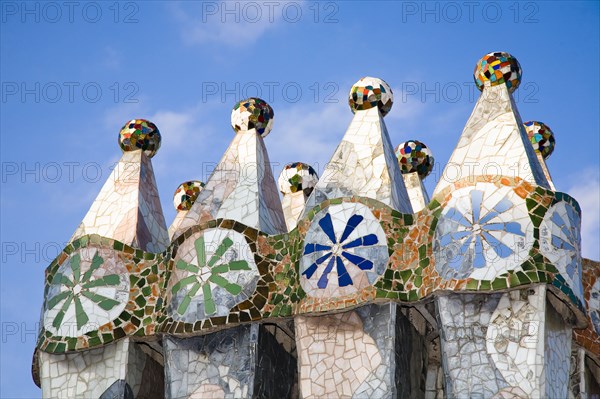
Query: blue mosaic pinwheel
x=358, y=249
x=483, y=235
x=337, y=250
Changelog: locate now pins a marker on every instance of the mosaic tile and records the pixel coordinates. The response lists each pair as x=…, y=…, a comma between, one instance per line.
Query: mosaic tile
x=589, y=336
x=121, y=370
x=499, y=344
x=339, y=342
x=228, y=364
x=408, y=271
x=417, y=193
x=556, y=355
x=296, y=177
x=97, y=291
x=416, y=162
x=512, y=341
x=216, y=276
x=364, y=164
x=185, y=196
x=468, y=370
x=296, y=182
x=118, y=388
x=594, y=306
x=128, y=207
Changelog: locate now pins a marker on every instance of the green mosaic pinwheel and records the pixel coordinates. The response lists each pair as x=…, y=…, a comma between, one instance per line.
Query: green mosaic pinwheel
x=205, y=273
x=79, y=287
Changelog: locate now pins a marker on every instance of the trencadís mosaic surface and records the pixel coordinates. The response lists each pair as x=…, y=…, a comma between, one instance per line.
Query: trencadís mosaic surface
x=484, y=235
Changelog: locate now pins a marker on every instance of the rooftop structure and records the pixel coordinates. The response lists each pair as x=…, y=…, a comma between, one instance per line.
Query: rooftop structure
x=353, y=284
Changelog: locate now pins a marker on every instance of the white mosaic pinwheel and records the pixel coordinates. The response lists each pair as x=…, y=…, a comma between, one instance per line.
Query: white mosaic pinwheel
x=89, y=290
x=345, y=250
x=213, y=271
x=483, y=231
x=560, y=242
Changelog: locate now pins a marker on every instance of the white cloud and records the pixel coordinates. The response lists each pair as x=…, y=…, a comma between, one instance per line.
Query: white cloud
x=587, y=193
x=185, y=133
x=177, y=124
x=307, y=133
x=406, y=107
x=187, y=137
x=233, y=23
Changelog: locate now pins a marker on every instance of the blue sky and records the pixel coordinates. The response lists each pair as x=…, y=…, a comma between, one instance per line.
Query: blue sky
x=71, y=77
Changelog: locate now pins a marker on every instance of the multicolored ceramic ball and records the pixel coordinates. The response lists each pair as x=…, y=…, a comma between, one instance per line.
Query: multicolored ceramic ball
x=186, y=194
x=252, y=113
x=371, y=92
x=414, y=156
x=541, y=137
x=496, y=69
x=297, y=176
x=140, y=134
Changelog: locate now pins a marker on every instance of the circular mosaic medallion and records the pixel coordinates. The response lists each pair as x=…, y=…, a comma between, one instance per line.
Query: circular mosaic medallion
x=90, y=289
x=345, y=250
x=213, y=271
x=483, y=232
